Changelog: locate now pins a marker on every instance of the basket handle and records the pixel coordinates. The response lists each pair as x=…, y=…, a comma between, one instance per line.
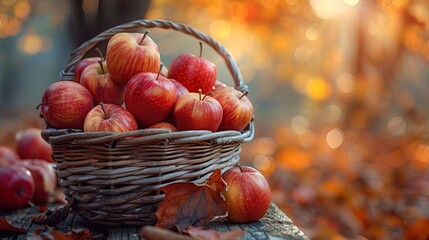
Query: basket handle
x=76, y=56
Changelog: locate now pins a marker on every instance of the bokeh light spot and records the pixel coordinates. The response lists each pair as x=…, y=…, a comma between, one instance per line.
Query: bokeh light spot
x=332, y=114
x=345, y=83
x=318, y=89
x=265, y=145
x=311, y=33
x=300, y=124
x=294, y=159
x=335, y=138
x=397, y=126
x=90, y=6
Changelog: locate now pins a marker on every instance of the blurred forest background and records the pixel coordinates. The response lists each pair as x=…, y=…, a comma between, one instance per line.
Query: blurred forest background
x=339, y=89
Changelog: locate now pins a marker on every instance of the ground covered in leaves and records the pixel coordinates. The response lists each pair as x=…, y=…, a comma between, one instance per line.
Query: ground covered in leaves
x=372, y=187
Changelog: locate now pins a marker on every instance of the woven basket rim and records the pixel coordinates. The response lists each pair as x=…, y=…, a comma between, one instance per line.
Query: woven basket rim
x=79, y=53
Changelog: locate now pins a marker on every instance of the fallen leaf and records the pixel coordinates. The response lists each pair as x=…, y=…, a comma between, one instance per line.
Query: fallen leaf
x=52, y=217
x=79, y=234
x=189, y=204
x=417, y=230
x=209, y=234
x=37, y=234
x=216, y=182
x=7, y=225
x=39, y=208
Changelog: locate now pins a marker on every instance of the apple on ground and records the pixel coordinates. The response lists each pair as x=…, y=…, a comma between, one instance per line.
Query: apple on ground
x=193, y=72
x=30, y=144
x=7, y=156
x=109, y=118
x=44, y=176
x=96, y=78
x=165, y=125
x=248, y=194
x=65, y=104
x=131, y=53
x=81, y=65
x=17, y=187
x=237, y=109
x=149, y=97
x=193, y=111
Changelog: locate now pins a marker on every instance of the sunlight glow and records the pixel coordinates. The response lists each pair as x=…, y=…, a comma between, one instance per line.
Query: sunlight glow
x=351, y=2
x=220, y=29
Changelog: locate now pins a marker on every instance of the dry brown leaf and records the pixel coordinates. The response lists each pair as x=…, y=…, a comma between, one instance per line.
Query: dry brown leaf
x=189, y=204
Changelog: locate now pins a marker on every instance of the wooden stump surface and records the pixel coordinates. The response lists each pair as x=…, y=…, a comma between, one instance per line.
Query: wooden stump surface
x=274, y=225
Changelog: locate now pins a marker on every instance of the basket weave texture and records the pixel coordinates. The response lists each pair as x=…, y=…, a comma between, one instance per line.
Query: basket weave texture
x=115, y=178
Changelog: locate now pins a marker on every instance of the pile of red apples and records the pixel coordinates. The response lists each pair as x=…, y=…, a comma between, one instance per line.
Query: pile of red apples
x=27, y=173
x=131, y=89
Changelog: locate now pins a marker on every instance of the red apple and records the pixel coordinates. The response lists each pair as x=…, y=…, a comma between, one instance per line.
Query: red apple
x=65, y=104
x=165, y=125
x=180, y=91
x=196, y=112
x=96, y=78
x=81, y=65
x=237, y=109
x=149, y=97
x=7, y=156
x=193, y=72
x=30, y=144
x=109, y=118
x=131, y=53
x=219, y=84
x=248, y=194
x=164, y=70
x=17, y=187
x=44, y=176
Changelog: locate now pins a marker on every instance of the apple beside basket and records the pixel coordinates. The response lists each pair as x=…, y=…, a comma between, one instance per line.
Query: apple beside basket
x=115, y=179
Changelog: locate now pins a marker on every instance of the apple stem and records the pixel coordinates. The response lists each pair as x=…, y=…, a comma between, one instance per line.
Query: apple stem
x=200, y=92
x=160, y=69
x=102, y=107
x=206, y=95
x=201, y=49
x=244, y=94
x=100, y=53
x=144, y=36
x=238, y=165
x=101, y=65
x=101, y=60
x=38, y=106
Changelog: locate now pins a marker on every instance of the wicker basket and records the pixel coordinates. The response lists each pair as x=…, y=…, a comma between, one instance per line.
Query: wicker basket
x=115, y=179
